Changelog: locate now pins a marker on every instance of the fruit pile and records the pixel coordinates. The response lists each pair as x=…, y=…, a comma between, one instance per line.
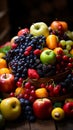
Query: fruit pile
x=35, y=66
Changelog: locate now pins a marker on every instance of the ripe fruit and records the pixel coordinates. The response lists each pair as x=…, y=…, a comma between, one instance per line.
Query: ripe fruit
x=48, y=57
x=57, y=113
x=58, y=51
x=42, y=108
x=68, y=109
x=23, y=31
x=11, y=108
x=3, y=63
x=5, y=71
x=51, y=41
x=7, y=83
x=41, y=93
x=39, y=28
x=19, y=90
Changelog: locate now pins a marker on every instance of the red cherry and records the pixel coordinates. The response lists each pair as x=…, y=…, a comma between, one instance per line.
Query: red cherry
x=58, y=58
x=56, y=90
x=42, y=85
x=65, y=57
x=18, y=84
x=13, y=46
x=27, y=85
x=70, y=65
x=26, y=96
x=70, y=59
x=50, y=87
x=12, y=94
x=31, y=99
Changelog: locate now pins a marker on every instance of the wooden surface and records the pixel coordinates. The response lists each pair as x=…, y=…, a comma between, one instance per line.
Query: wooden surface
x=50, y=124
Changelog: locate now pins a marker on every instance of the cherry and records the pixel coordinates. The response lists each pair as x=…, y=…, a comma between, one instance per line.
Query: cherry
x=56, y=90
x=70, y=65
x=42, y=85
x=27, y=85
x=18, y=84
x=50, y=87
x=65, y=57
x=12, y=94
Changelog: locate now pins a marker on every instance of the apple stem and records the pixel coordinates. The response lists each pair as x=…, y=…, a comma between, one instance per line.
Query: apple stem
x=5, y=76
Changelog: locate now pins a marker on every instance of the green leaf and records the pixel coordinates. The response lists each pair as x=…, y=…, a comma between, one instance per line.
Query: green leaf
x=5, y=49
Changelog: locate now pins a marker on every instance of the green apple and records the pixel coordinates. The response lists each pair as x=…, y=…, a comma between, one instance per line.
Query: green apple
x=10, y=108
x=2, y=121
x=39, y=28
x=48, y=57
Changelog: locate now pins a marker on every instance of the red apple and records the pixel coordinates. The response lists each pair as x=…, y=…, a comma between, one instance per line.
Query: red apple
x=42, y=108
x=68, y=109
x=7, y=83
x=23, y=31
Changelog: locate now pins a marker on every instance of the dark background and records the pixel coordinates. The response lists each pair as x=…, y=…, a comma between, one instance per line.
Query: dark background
x=16, y=14
x=23, y=13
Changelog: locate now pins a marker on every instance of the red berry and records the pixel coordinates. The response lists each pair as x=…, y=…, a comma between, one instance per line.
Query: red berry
x=26, y=53
x=65, y=57
x=26, y=96
x=13, y=46
x=70, y=59
x=56, y=90
x=12, y=94
x=42, y=85
x=50, y=87
x=70, y=65
x=37, y=51
x=29, y=48
x=27, y=85
x=18, y=84
x=31, y=99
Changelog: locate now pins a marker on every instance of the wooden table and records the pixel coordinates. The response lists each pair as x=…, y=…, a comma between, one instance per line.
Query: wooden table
x=66, y=124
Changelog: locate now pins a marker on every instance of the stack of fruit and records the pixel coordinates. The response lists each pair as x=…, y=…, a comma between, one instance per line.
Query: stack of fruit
x=35, y=66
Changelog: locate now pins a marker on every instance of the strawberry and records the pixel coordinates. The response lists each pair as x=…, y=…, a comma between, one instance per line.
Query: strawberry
x=32, y=73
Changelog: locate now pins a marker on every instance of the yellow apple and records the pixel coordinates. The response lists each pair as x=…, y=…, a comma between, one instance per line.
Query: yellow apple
x=10, y=108
x=39, y=28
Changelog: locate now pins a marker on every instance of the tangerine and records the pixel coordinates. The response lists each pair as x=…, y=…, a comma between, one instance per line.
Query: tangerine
x=3, y=63
x=19, y=90
x=41, y=93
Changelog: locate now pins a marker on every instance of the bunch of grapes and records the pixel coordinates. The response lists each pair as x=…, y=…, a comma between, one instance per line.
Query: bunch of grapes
x=26, y=54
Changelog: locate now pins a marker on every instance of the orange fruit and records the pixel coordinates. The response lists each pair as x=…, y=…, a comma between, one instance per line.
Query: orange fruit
x=19, y=90
x=4, y=70
x=51, y=41
x=41, y=93
x=3, y=63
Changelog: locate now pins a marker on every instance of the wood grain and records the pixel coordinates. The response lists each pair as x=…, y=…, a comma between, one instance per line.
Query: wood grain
x=43, y=125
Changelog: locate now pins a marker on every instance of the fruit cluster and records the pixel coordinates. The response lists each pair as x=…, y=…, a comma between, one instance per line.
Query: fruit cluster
x=40, y=52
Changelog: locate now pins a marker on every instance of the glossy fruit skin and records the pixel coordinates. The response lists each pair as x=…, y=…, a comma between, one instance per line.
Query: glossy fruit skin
x=23, y=31
x=39, y=28
x=42, y=108
x=55, y=25
x=7, y=83
x=41, y=93
x=51, y=41
x=68, y=109
x=11, y=108
x=48, y=57
x=57, y=113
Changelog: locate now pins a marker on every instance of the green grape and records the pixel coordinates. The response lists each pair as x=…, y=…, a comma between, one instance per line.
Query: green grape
x=63, y=43
x=66, y=51
x=69, y=42
x=69, y=34
x=68, y=47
